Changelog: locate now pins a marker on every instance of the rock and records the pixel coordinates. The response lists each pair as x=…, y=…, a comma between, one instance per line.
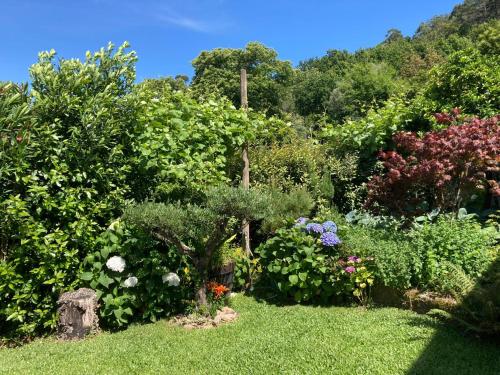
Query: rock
x=423, y=302
x=224, y=315
x=77, y=314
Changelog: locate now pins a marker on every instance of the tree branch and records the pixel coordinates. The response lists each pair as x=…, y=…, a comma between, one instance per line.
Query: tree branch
x=181, y=247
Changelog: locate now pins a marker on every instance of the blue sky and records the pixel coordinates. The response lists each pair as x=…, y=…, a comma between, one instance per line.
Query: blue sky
x=168, y=34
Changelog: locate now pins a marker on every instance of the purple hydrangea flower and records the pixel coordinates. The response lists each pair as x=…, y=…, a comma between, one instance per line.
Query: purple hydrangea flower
x=300, y=221
x=330, y=226
x=329, y=239
x=354, y=259
x=314, y=228
x=350, y=269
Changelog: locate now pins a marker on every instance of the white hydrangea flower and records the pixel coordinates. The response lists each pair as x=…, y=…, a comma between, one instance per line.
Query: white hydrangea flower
x=114, y=225
x=130, y=282
x=171, y=278
x=116, y=263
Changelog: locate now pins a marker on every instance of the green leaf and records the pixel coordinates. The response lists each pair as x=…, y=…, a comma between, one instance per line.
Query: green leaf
x=294, y=279
x=298, y=296
x=113, y=238
x=128, y=311
x=86, y=276
x=105, y=280
x=105, y=252
x=118, y=313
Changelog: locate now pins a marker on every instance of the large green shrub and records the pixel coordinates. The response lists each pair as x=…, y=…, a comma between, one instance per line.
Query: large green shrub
x=372, y=132
x=463, y=243
x=296, y=265
x=65, y=163
x=305, y=164
x=394, y=259
x=182, y=146
x=423, y=256
x=365, y=85
x=469, y=80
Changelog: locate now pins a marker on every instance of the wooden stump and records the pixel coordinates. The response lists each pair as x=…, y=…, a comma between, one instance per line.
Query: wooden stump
x=77, y=314
x=224, y=275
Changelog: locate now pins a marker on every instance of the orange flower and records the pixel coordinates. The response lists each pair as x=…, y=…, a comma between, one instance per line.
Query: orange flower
x=217, y=289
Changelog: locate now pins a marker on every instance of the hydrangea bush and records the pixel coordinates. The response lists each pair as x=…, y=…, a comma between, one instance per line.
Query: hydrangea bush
x=304, y=262
x=355, y=276
x=135, y=279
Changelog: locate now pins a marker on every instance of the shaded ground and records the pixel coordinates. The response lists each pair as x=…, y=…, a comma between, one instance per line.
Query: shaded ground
x=270, y=339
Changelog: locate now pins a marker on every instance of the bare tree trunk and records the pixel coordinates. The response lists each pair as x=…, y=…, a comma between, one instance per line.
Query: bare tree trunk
x=246, y=163
x=201, y=294
x=201, y=265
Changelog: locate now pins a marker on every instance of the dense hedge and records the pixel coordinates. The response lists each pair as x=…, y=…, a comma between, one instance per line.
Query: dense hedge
x=76, y=149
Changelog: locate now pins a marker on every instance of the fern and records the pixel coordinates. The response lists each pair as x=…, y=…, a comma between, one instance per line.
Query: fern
x=456, y=281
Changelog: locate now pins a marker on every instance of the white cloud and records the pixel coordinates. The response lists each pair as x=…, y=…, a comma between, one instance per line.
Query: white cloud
x=184, y=22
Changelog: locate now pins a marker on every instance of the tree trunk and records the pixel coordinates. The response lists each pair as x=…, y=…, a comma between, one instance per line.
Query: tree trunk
x=246, y=164
x=201, y=295
x=201, y=265
x=78, y=314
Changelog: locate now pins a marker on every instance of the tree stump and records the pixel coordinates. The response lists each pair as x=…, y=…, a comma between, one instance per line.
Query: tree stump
x=77, y=314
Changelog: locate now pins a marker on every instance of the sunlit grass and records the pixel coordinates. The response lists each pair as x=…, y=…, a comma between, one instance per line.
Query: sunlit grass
x=269, y=339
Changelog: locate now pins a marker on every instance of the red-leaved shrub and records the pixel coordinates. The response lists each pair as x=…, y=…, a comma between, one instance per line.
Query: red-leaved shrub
x=443, y=169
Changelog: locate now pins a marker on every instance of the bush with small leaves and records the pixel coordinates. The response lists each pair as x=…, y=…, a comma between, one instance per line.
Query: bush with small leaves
x=198, y=231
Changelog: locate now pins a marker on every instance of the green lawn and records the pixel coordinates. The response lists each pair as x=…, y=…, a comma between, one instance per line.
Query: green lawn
x=268, y=339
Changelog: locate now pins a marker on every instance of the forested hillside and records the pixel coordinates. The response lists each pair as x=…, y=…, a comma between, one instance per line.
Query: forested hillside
x=342, y=85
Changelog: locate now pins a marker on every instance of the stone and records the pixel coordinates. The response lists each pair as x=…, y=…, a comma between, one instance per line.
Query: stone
x=423, y=302
x=225, y=315
x=77, y=314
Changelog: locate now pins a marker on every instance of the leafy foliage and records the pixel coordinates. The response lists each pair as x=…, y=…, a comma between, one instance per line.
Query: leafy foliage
x=297, y=265
x=442, y=170
x=198, y=231
x=469, y=80
x=304, y=164
x=479, y=310
x=461, y=242
x=396, y=264
x=64, y=170
x=140, y=292
x=303, y=262
x=219, y=71
x=183, y=146
x=364, y=85
x=371, y=133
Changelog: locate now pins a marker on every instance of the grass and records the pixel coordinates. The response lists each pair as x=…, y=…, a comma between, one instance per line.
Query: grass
x=268, y=339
